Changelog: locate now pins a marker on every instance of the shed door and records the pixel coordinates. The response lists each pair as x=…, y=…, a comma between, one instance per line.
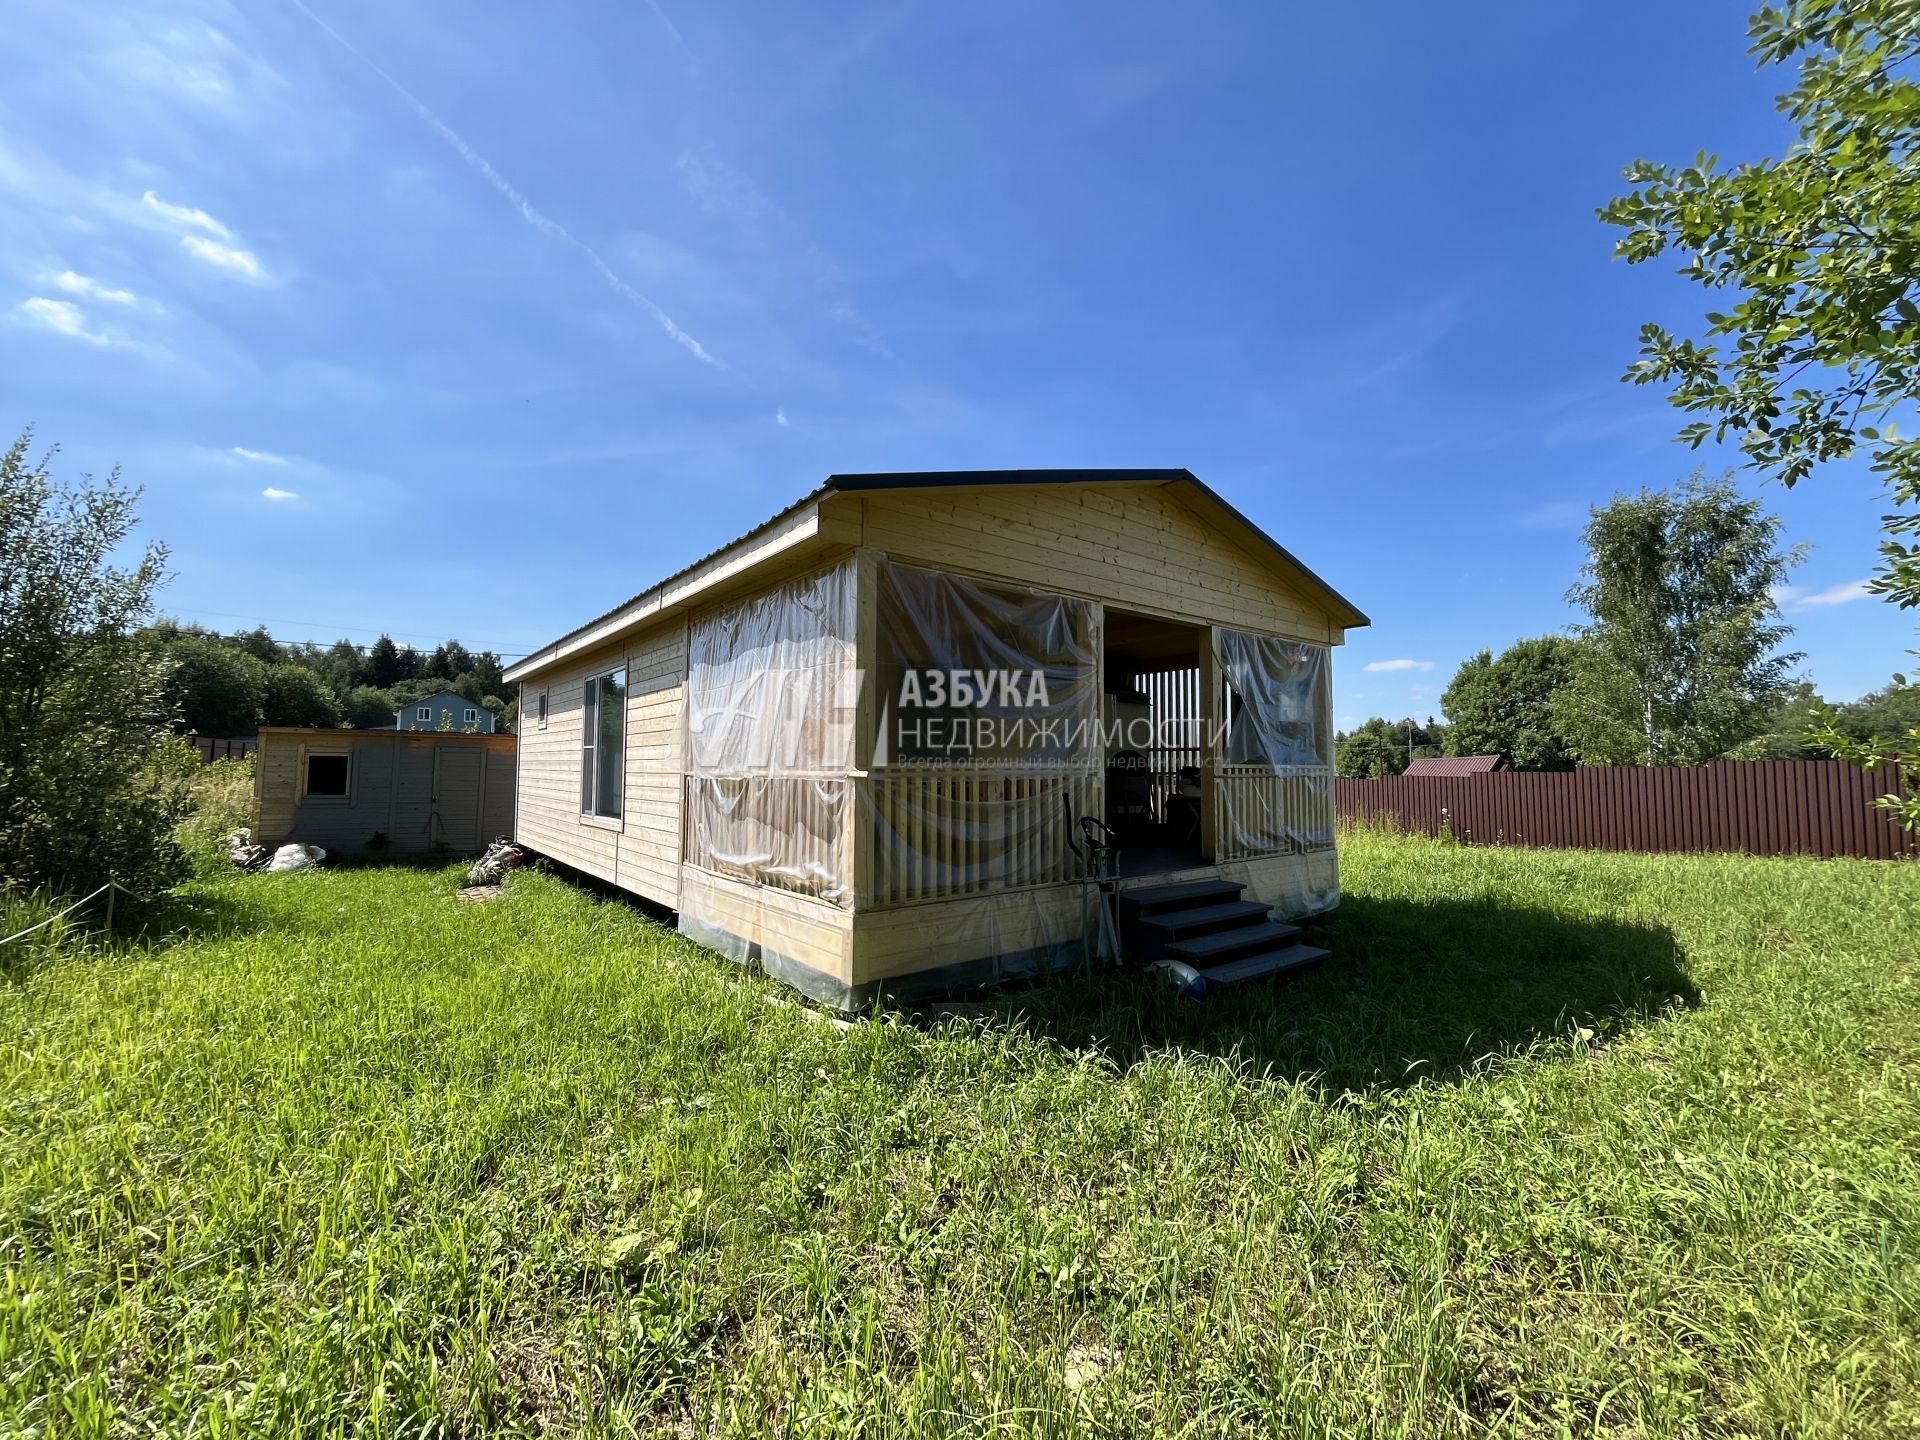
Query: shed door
x=455, y=823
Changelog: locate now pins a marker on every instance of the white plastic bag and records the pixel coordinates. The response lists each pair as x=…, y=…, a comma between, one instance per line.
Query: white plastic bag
x=295, y=857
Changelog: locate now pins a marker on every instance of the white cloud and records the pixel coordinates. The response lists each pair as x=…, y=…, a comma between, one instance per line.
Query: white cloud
x=780, y=418
x=1792, y=597
x=273, y=493
x=84, y=285
x=731, y=195
x=61, y=316
x=1379, y=665
x=227, y=257
x=186, y=215
x=260, y=457
x=552, y=229
x=719, y=189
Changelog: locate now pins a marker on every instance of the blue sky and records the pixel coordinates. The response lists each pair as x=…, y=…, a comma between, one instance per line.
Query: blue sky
x=476, y=318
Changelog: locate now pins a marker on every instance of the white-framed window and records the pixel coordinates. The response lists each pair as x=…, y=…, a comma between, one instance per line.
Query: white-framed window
x=424, y=715
x=540, y=709
x=327, y=775
x=470, y=717
x=603, y=744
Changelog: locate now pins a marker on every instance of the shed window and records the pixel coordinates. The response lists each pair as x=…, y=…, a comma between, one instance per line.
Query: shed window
x=540, y=709
x=424, y=714
x=603, y=744
x=470, y=716
x=327, y=776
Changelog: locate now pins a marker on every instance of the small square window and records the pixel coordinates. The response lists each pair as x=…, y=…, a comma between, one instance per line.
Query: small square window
x=327, y=776
x=424, y=714
x=470, y=716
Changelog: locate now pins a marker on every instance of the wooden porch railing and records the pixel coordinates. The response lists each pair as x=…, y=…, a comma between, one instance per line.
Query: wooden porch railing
x=1272, y=810
x=937, y=834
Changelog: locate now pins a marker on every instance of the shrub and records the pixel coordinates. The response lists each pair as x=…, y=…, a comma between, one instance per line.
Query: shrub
x=83, y=710
x=219, y=799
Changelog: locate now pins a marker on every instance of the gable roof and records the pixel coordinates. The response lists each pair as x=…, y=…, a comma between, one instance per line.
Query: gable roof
x=1455, y=765
x=680, y=586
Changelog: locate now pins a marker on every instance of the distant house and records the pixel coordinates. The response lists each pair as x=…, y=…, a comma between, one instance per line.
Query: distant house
x=445, y=711
x=1455, y=765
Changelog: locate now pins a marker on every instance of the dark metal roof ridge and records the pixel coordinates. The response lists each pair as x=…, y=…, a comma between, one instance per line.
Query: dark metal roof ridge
x=934, y=479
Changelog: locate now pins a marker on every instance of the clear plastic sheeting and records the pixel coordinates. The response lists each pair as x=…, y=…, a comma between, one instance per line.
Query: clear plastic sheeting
x=995, y=939
x=1275, y=776
x=770, y=716
x=991, y=948
x=788, y=832
x=773, y=682
x=1268, y=811
x=982, y=674
x=987, y=746
x=1279, y=701
x=1306, y=885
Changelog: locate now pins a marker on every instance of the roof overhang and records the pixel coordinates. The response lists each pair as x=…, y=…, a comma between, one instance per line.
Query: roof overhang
x=803, y=528
x=797, y=529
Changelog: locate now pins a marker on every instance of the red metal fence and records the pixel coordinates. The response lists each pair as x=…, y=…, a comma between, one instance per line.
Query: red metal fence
x=1762, y=807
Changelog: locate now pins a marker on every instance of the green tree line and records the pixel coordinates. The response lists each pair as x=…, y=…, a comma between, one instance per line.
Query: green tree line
x=1678, y=659
x=231, y=684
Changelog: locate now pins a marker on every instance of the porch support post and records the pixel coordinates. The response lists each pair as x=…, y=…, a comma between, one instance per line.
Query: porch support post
x=866, y=581
x=1211, y=711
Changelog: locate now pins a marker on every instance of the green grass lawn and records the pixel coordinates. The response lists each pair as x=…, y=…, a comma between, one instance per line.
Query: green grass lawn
x=1558, y=1143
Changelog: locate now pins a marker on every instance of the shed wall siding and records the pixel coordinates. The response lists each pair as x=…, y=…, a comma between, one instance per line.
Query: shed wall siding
x=390, y=790
x=1135, y=547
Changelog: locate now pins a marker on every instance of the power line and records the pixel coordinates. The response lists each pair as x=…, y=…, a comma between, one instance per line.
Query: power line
x=376, y=630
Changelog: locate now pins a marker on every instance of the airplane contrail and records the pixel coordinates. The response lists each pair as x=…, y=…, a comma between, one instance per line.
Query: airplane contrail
x=547, y=226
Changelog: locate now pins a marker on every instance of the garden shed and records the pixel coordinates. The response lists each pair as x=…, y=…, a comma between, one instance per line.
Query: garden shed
x=854, y=744
x=397, y=791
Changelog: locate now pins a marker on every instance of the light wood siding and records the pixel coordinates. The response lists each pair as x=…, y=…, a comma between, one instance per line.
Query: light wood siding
x=390, y=790
x=649, y=846
x=789, y=927
x=1136, y=547
x=641, y=851
x=548, y=796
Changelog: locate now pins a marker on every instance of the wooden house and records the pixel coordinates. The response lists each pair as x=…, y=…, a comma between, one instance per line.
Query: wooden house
x=855, y=744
